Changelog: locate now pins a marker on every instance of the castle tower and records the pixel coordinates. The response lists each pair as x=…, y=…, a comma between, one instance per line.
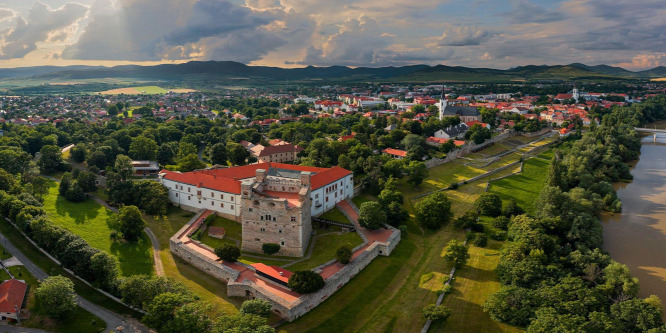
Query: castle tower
x=443, y=103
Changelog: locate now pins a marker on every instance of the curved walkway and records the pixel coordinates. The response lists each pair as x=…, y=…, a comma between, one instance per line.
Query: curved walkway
x=112, y=320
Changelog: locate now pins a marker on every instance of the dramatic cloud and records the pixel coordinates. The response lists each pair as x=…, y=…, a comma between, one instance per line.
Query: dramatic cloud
x=463, y=36
x=41, y=21
x=323, y=32
x=176, y=30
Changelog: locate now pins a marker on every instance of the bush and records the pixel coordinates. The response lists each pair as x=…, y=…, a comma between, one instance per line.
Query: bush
x=403, y=231
x=489, y=204
x=343, y=255
x=228, y=252
x=499, y=235
x=210, y=219
x=257, y=307
x=436, y=312
x=270, y=248
x=481, y=240
x=501, y=222
x=512, y=209
x=305, y=282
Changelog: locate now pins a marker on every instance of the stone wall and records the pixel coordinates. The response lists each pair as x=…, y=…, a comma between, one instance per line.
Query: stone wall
x=469, y=148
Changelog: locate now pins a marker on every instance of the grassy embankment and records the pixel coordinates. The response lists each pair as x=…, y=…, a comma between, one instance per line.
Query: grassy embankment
x=94, y=223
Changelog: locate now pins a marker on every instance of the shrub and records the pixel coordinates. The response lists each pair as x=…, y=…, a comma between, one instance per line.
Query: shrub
x=228, y=252
x=489, y=204
x=481, y=240
x=270, y=248
x=210, y=219
x=501, y=222
x=305, y=282
x=343, y=255
x=403, y=231
x=436, y=312
x=512, y=209
x=257, y=307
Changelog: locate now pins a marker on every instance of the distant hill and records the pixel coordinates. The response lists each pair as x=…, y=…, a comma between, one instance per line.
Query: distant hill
x=229, y=72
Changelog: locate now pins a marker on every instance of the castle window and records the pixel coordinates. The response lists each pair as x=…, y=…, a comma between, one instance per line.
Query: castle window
x=188, y=190
x=263, y=229
x=212, y=203
x=326, y=199
x=232, y=198
x=282, y=243
x=222, y=196
x=256, y=202
x=279, y=231
x=176, y=195
x=274, y=219
x=257, y=239
x=222, y=205
x=198, y=192
x=232, y=206
x=212, y=195
x=189, y=197
x=293, y=219
x=250, y=210
x=316, y=195
x=261, y=218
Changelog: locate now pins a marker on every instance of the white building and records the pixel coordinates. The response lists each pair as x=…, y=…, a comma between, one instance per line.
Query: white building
x=219, y=190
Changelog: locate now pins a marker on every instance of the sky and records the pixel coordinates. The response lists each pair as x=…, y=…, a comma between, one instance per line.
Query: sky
x=297, y=33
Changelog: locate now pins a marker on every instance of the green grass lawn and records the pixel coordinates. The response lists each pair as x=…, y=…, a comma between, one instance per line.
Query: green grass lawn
x=363, y=197
x=336, y=215
x=325, y=247
x=46, y=264
x=233, y=233
x=94, y=223
x=524, y=187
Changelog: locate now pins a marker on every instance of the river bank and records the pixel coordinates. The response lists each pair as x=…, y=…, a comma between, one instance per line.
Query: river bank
x=637, y=236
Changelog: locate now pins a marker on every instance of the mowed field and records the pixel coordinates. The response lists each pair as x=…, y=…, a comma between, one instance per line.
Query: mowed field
x=94, y=223
x=524, y=188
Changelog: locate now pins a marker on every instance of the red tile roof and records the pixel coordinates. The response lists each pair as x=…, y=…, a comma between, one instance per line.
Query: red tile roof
x=12, y=293
x=396, y=152
x=273, y=271
x=228, y=179
x=279, y=149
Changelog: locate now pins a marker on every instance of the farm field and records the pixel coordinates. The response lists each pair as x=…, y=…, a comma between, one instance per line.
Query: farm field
x=144, y=90
x=94, y=223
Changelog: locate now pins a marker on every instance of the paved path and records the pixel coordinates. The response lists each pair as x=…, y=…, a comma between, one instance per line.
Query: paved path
x=159, y=268
x=111, y=319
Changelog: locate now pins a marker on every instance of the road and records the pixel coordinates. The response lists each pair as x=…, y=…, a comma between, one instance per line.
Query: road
x=112, y=320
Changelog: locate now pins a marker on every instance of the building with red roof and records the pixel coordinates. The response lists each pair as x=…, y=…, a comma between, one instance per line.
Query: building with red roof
x=220, y=189
x=395, y=153
x=12, y=294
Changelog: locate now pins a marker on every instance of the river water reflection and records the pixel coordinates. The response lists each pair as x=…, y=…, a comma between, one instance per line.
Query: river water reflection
x=637, y=237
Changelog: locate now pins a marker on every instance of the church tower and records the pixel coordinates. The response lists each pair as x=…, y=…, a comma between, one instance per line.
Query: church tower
x=443, y=103
x=575, y=93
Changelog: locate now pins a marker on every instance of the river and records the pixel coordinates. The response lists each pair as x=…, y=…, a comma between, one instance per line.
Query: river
x=637, y=236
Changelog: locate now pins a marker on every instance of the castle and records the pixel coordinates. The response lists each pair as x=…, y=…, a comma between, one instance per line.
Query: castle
x=272, y=201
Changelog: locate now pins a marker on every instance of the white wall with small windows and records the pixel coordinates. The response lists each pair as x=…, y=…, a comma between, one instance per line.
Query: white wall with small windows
x=203, y=198
x=326, y=197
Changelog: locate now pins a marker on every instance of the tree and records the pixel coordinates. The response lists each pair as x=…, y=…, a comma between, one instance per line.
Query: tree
x=112, y=110
x=270, y=248
x=257, y=307
x=228, y=252
x=436, y=312
x=74, y=192
x=51, y=159
x=218, y=154
x=434, y=211
x=56, y=296
x=123, y=167
x=162, y=309
x=512, y=209
x=104, y=269
x=456, y=253
x=143, y=148
x=305, y=282
x=151, y=197
x=131, y=222
x=343, y=255
x=447, y=146
x=371, y=215
x=8, y=182
x=489, y=204
x=237, y=154
x=393, y=168
x=242, y=323
x=417, y=172
x=190, y=162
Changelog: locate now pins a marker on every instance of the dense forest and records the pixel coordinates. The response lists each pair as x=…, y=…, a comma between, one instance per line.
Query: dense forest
x=555, y=276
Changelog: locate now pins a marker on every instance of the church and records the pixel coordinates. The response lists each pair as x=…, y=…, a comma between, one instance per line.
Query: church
x=466, y=113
